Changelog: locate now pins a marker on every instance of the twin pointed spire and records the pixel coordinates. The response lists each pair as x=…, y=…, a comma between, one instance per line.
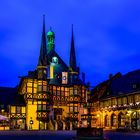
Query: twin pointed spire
x=43, y=50
x=72, y=61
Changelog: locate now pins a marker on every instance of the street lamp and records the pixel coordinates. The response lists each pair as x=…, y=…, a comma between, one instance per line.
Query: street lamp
x=31, y=123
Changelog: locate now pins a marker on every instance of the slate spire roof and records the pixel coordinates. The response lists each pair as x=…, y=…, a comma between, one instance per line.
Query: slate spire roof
x=43, y=50
x=72, y=61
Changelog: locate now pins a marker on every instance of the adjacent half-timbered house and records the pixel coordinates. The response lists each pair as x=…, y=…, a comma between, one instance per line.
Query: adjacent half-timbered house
x=116, y=102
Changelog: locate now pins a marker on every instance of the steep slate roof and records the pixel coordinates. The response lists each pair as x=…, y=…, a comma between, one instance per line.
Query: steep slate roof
x=124, y=84
x=58, y=68
x=119, y=86
x=9, y=96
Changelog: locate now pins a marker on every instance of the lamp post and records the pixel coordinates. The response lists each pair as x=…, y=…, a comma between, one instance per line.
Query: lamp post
x=31, y=123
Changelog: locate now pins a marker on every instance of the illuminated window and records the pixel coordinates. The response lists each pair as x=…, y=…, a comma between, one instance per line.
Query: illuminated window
x=44, y=88
x=119, y=101
x=29, y=89
x=39, y=82
x=54, y=92
x=44, y=107
x=113, y=102
x=75, y=91
x=35, y=85
x=121, y=120
x=106, y=120
x=29, y=84
x=62, y=93
x=54, y=87
x=113, y=120
x=106, y=104
x=130, y=99
x=71, y=91
x=101, y=104
x=109, y=102
x=13, y=109
x=35, y=90
x=23, y=110
x=39, y=88
x=66, y=92
x=71, y=108
x=55, y=60
x=58, y=91
x=124, y=100
x=39, y=107
x=44, y=83
x=76, y=109
x=137, y=98
x=18, y=109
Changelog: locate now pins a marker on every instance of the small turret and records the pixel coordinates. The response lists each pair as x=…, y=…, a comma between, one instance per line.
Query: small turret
x=51, y=37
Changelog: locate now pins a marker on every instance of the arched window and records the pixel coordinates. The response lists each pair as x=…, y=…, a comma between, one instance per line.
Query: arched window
x=121, y=120
x=113, y=120
x=106, y=121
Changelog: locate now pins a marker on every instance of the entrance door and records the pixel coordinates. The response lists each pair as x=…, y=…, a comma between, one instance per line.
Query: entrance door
x=121, y=120
x=106, y=121
x=67, y=124
x=41, y=125
x=60, y=125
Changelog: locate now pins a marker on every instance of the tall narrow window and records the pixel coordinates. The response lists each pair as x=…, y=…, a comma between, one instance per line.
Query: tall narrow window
x=39, y=88
x=71, y=91
x=39, y=107
x=18, y=109
x=71, y=108
x=75, y=91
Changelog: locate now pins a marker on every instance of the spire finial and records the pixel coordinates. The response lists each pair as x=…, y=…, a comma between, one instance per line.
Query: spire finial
x=43, y=50
x=43, y=22
x=72, y=53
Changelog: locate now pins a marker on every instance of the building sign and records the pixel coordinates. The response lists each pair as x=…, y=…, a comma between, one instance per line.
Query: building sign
x=64, y=77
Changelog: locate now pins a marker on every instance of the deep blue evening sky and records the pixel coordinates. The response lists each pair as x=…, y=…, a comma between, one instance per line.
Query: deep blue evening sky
x=106, y=32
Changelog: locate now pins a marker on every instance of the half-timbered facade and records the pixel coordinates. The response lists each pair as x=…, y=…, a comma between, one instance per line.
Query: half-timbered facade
x=116, y=102
x=52, y=96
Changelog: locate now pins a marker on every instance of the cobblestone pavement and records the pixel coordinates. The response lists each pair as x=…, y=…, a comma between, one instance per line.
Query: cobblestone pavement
x=62, y=135
x=122, y=135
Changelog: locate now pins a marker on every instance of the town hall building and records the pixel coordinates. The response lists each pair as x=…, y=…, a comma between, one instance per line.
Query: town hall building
x=52, y=96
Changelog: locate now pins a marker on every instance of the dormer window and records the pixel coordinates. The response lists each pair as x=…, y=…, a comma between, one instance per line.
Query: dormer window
x=55, y=60
x=108, y=93
x=135, y=86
